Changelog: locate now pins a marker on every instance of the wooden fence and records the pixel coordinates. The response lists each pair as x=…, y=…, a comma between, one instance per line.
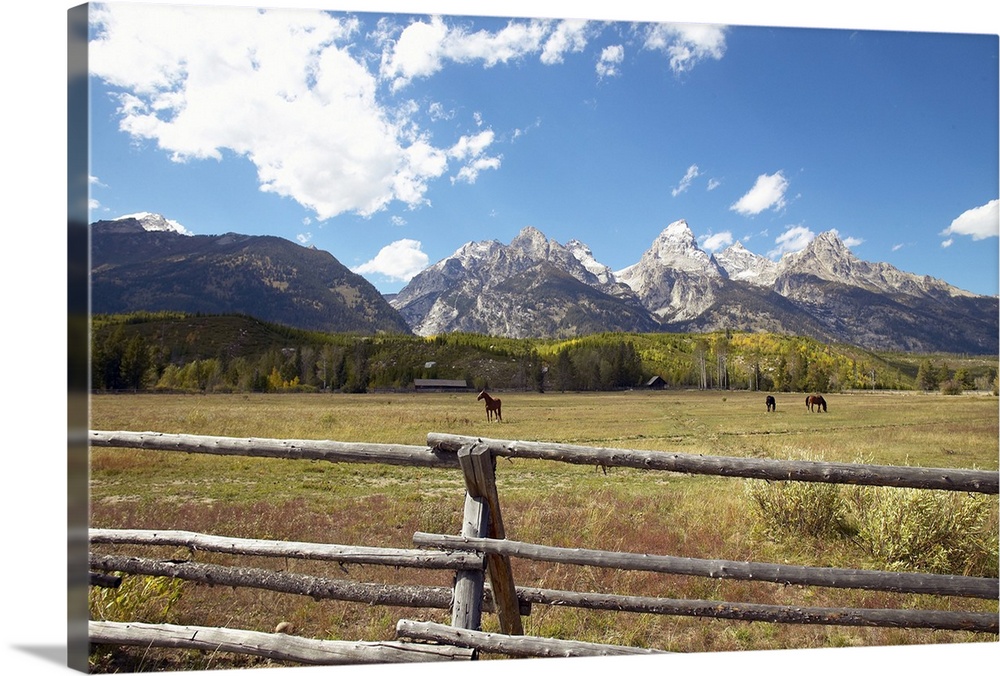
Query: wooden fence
x=482, y=553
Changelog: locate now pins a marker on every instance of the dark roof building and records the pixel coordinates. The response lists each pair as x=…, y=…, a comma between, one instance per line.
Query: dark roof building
x=439, y=385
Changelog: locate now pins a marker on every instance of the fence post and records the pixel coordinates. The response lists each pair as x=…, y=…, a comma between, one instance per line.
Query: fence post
x=467, y=603
x=478, y=467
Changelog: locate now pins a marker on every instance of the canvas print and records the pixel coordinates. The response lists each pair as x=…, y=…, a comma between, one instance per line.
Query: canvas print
x=418, y=338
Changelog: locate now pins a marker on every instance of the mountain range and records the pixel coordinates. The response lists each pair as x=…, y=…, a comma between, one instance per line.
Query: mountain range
x=537, y=287
x=143, y=262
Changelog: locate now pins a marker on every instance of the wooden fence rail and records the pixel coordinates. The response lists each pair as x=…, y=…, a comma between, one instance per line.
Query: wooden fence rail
x=973, y=481
x=907, y=583
x=379, y=556
x=290, y=449
x=274, y=646
x=410, y=596
x=515, y=646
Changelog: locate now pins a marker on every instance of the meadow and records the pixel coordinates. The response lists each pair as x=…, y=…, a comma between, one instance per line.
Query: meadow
x=543, y=502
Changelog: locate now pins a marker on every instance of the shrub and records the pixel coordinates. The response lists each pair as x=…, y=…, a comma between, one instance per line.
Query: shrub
x=797, y=508
x=930, y=531
x=952, y=387
x=136, y=599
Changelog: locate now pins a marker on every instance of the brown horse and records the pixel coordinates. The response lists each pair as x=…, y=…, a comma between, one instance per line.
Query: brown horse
x=817, y=401
x=492, y=405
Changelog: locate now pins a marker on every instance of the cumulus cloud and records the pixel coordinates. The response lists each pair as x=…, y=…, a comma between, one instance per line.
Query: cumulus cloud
x=768, y=192
x=686, y=45
x=424, y=47
x=471, y=151
x=691, y=174
x=399, y=261
x=298, y=94
x=278, y=87
x=570, y=35
x=978, y=223
x=609, y=63
x=793, y=239
x=717, y=241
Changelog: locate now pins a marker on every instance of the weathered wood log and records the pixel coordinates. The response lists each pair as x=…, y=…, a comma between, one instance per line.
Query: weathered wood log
x=908, y=583
x=274, y=646
x=402, y=558
x=505, y=644
x=293, y=583
x=293, y=449
x=755, y=612
x=480, y=480
x=973, y=481
x=467, y=611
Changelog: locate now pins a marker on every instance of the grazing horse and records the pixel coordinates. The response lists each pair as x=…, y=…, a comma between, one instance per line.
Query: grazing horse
x=771, y=405
x=492, y=405
x=817, y=401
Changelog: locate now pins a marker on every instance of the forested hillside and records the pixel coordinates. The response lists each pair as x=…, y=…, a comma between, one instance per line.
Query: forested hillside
x=238, y=353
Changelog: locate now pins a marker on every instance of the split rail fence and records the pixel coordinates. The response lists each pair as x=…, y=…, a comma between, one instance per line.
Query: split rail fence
x=481, y=554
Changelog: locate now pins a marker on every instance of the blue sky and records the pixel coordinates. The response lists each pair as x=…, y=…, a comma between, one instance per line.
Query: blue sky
x=392, y=139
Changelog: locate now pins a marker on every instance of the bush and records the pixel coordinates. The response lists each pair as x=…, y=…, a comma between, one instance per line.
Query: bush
x=137, y=599
x=929, y=531
x=797, y=508
x=899, y=528
x=952, y=387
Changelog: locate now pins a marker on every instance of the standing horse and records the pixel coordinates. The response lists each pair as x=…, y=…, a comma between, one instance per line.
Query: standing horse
x=492, y=405
x=771, y=404
x=817, y=401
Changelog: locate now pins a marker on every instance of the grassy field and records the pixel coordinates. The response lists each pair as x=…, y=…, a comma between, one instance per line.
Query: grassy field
x=544, y=502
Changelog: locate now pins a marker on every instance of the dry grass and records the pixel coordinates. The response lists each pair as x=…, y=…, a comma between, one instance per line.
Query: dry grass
x=543, y=502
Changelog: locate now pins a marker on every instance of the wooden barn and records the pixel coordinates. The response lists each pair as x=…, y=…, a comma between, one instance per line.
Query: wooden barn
x=656, y=383
x=440, y=385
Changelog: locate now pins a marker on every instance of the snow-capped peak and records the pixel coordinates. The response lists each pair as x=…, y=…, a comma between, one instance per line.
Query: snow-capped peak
x=583, y=254
x=156, y=223
x=742, y=264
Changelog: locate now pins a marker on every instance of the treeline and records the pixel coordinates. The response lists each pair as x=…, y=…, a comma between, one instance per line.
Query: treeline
x=234, y=353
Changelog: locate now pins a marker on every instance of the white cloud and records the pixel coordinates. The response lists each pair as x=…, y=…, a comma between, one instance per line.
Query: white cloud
x=304, y=238
x=399, y=261
x=687, y=44
x=793, y=239
x=422, y=49
x=947, y=243
x=610, y=61
x=978, y=223
x=713, y=183
x=768, y=192
x=472, y=151
x=570, y=35
x=848, y=241
x=691, y=174
x=278, y=87
x=717, y=241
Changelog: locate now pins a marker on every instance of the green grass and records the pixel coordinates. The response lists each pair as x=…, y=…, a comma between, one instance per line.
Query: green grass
x=544, y=502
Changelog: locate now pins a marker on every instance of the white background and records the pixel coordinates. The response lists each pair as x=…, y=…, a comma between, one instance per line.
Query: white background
x=33, y=172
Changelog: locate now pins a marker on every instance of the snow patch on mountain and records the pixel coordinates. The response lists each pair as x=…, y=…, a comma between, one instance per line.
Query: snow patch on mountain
x=155, y=223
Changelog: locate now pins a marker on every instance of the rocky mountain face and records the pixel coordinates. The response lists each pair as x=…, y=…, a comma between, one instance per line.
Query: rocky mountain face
x=532, y=287
x=537, y=287
x=143, y=263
